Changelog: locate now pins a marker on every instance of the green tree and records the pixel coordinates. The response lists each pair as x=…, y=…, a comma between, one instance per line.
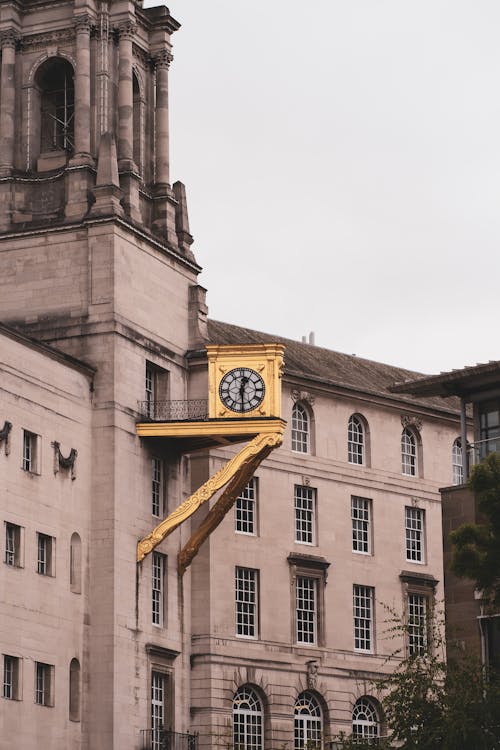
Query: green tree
x=476, y=546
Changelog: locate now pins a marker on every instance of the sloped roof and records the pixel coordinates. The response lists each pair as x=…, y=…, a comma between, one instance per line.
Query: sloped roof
x=333, y=368
x=465, y=382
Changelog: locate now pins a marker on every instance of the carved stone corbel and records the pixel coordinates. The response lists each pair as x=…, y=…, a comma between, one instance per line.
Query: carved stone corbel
x=62, y=462
x=410, y=421
x=302, y=396
x=5, y=436
x=312, y=674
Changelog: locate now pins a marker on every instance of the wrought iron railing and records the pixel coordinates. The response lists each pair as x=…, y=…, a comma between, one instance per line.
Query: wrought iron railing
x=164, y=739
x=174, y=411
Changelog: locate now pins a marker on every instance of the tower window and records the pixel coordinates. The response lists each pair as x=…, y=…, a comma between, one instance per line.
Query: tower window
x=55, y=79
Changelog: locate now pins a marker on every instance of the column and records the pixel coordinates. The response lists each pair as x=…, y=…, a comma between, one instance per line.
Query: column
x=7, y=102
x=162, y=175
x=125, y=98
x=82, y=90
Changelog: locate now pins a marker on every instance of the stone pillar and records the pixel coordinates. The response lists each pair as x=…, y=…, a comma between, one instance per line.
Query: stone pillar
x=162, y=62
x=125, y=98
x=7, y=102
x=164, y=201
x=82, y=91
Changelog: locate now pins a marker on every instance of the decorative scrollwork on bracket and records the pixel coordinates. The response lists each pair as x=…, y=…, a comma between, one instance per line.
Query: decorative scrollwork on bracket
x=62, y=462
x=5, y=436
x=409, y=421
x=303, y=396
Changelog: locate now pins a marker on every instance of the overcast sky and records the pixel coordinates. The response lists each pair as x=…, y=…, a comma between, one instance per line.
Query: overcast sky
x=342, y=166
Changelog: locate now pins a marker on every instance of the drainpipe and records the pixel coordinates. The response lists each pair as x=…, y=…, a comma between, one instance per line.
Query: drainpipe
x=463, y=430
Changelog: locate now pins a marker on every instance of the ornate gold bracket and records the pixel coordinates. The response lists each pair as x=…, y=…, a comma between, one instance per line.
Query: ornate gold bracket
x=237, y=473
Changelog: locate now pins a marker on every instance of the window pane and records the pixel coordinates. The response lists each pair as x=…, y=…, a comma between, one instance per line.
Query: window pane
x=360, y=514
x=300, y=429
x=414, y=528
x=306, y=609
x=417, y=623
x=305, y=508
x=246, y=602
x=355, y=441
x=363, y=617
x=245, y=509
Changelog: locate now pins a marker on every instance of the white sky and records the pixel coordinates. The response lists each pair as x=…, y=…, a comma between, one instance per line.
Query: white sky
x=342, y=164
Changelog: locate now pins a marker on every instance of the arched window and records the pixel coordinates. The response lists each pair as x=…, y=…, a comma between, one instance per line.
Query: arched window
x=456, y=462
x=247, y=720
x=300, y=429
x=355, y=441
x=55, y=81
x=75, y=564
x=308, y=722
x=365, y=720
x=409, y=453
x=74, y=690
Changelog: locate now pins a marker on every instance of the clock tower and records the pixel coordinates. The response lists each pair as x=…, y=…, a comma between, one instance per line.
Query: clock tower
x=96, y=260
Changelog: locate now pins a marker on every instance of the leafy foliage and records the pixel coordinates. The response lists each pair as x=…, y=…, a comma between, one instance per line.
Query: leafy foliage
x=476, y=547
x=432, y=703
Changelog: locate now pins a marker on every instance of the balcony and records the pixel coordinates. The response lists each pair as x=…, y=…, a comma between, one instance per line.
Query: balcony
x=194, y=410
x=164, y=739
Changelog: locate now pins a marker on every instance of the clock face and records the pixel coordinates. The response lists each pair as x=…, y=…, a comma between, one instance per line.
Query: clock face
x=242, y=389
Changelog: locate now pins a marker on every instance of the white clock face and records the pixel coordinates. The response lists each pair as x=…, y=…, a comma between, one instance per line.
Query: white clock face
x=242, y=389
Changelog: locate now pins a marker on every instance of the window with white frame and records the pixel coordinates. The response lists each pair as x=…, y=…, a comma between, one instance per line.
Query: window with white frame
x=456, y=462
x=300, y=429
x=308, y=722
x=306, y=599
x=43, y=684
x=156, y=487
x=365, y=720
x=245, y=514
x=305, y=514
x=417, y=623
x=158, y=566
x=30, y=452
x=13, y=545
x=45, y=555
x=247, y=720
x=362, y=600
x=158, y=709
x=155, y=391
x=408, y=453
x=246, y=602
x=355, y=441
x=415, y=531
x=361, y=524
x=11, y=677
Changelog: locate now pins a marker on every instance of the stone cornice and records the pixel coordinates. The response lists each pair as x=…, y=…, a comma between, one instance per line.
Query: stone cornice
x=39, y=41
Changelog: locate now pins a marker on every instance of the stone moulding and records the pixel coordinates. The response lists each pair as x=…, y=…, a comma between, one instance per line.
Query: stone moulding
x=5, y=436
x=62, y=462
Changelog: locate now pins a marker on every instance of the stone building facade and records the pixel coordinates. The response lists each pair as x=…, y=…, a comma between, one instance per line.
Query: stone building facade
x=276, y=630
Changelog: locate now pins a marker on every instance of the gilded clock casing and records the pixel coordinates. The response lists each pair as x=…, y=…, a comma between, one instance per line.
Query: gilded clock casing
x=265, y=359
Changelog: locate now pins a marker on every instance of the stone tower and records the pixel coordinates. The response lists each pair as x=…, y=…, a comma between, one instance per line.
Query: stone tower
x=95, y=260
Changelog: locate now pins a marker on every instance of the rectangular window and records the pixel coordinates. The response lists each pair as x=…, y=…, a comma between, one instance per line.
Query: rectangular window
x=417, y=623
x=156, y=392
x=11, y=677
x=158, y=564
x=158, y=696
x=306, y=597
x=363, y=617
x=305, y=515
x=156, y=487
x=246, y=509
x=361, y=519
x=13, y=545
x=43, y=683
x=45, y=555
x=414, y=527
x=246, y=599
x=30, y=458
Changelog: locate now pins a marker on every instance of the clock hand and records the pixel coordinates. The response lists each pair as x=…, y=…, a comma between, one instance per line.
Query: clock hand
x=243, y=383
